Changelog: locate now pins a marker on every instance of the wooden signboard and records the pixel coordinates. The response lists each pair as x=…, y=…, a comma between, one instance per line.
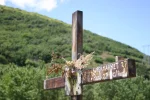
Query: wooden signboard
x=118, y=70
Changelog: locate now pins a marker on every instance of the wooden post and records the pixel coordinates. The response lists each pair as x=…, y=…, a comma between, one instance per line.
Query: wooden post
x=77, y=40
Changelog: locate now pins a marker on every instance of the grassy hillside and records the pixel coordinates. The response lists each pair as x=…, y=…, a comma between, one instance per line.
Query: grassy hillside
x=28, y=39
x=26, y=35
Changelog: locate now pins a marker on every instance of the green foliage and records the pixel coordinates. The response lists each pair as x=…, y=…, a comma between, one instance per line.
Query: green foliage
x=127, y=89
x=99, y=60
x=16, y=83
x=3, y=59
x=110, y=59
x=30, y=62
x=87, y=49
x=26, y=36
x=25, y=83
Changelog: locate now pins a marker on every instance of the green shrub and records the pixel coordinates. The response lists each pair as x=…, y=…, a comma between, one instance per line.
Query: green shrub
x=34, y=63
x=3, y=60
x=87, y=49
x=99, y=60
x=110, y=59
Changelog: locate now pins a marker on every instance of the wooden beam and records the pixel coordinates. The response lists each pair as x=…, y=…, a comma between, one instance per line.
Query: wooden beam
x=54, y=83
x=118, y=70
x=113, y=71
x=77, y=34
x=77, y=43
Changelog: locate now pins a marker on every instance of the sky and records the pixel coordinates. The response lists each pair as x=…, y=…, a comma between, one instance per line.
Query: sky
x=126, y=21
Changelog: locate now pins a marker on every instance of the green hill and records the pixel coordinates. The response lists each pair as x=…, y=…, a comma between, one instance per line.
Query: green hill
x=28, y=39
x=27, y=35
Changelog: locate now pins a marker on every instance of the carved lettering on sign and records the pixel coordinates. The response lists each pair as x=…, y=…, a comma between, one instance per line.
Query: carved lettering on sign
x=107, y=72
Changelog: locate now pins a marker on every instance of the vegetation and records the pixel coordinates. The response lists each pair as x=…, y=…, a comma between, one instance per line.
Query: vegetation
x=109, y=59
x=27, y=41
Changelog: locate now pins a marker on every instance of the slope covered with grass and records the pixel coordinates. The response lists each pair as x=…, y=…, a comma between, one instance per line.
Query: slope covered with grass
x=25, y=35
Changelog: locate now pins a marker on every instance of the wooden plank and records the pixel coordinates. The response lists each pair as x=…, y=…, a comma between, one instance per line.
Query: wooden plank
x=118, y=70
x=77, y=48
x=77, y=34
x=54, y=83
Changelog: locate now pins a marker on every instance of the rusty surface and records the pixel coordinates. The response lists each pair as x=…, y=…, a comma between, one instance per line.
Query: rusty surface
x=118, y=70
x=54, y=83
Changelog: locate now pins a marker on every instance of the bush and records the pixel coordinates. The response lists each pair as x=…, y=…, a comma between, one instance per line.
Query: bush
x=34, y=63
x=87, y=49
x=99, y=60
x=3, y=60
x=110, y=59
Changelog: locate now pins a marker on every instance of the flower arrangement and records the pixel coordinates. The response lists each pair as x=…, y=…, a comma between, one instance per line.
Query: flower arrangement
x=71, y=66
x=80, y=63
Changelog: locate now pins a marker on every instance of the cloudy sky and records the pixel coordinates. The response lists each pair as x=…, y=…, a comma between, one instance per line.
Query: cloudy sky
x=127, y=21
